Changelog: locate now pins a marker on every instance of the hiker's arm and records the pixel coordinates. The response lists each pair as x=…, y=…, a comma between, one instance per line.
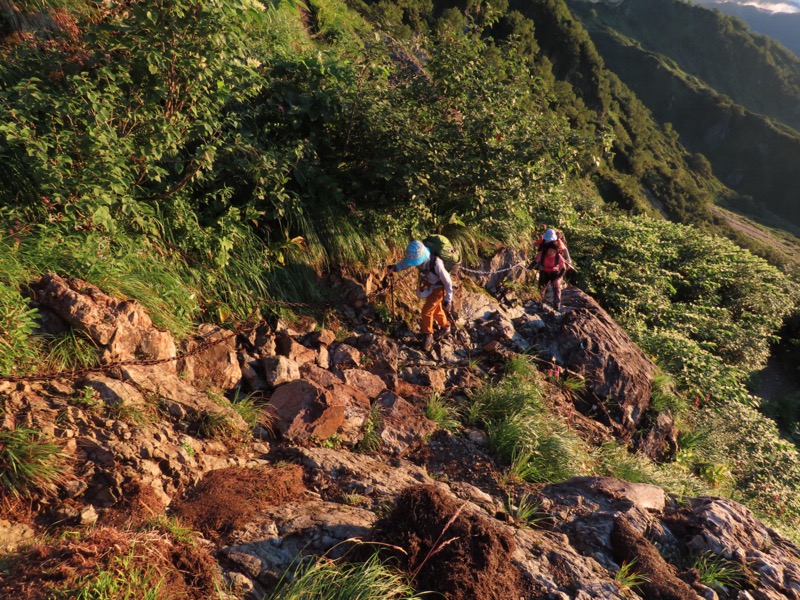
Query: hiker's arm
x=444, y=277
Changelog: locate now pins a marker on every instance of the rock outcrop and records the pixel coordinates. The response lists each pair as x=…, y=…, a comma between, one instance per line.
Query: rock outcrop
x=342, y=452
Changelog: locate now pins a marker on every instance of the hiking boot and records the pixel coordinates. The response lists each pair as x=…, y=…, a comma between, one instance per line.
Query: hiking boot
x=427, y=342
x=441, y=333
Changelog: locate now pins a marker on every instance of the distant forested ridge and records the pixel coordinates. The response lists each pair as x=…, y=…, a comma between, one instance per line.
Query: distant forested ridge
x=780, y=26
x=732, y=95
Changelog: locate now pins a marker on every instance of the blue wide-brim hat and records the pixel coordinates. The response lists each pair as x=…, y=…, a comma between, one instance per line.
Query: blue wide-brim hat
x=416, y=254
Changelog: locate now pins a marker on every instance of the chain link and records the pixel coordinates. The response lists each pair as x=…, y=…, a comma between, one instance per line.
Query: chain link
x=77, y=373
x=479, y=272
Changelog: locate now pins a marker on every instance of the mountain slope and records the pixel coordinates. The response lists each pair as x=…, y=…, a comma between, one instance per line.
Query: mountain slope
x=780, y=26
x=741, y=116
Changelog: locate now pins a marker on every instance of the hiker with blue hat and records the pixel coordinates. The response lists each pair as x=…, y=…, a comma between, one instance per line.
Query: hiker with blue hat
x=435, y=286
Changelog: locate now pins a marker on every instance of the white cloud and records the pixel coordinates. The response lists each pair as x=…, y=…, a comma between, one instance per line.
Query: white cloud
x=773, y=7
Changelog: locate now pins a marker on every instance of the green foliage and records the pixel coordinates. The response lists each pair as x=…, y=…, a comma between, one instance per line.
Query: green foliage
x=28, y=463
x=17, y=321
x=537, y=446
x=696, y=302
x=214, y=425
x=443, y=413
x=175, y=528
x=250, y=408
x=326, y=579
x=765, y=467
x=70, y=350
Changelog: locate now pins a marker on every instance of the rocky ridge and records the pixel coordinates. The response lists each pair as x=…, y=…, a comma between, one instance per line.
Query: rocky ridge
x=341, y=450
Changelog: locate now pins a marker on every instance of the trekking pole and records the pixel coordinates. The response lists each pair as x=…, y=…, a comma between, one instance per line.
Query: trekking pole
x=391, y=293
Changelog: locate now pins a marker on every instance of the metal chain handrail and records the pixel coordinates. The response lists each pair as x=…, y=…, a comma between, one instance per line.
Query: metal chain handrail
x=504, y=270
x=77, y=373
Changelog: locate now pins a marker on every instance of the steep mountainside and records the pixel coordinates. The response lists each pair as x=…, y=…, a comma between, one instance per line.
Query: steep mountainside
x=730, y=95
x=779, y=25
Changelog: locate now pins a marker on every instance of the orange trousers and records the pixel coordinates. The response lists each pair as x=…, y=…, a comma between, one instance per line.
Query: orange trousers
x=432, y=311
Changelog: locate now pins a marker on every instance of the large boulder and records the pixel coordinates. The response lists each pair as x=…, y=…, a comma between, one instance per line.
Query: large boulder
x=303, y=411
x=211, y=359
x=618, y=375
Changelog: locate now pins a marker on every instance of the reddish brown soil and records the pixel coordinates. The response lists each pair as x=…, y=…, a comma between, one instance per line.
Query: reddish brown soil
x=59, y=569
x=454, y=458
x=226, y=499
x=663, y=582
x=139, y=505
x=463, y=556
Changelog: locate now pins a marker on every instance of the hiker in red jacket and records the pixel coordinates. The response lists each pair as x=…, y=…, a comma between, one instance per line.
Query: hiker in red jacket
x=552, y=266
x=556, y=237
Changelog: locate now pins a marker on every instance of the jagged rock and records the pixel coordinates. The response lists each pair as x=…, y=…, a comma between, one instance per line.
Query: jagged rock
x=216, y=366
x=727, y=528
x=505, y=265
x=265, y=549
x=586, y=509
x=473, y=306
x=183, y=401
x=364, y=474
x=122, y=327
x=255, y=382
x=262, y=340
x=286, y=346
x=344, y=356
x=556, y=570
x=303, y=410
x=14, y=536
x=432, y=378
x=661, y=441
x=662, y=580
x=402, y=424
x=618, y=375
x=115, y=392
x=364, y=381
x=320, y=376
x=315, y=339
x=279, y=370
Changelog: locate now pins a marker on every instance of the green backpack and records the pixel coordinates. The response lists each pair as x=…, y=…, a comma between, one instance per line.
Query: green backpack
x=442, y=247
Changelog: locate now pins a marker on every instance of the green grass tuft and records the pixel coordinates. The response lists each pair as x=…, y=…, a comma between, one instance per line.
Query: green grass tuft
x=326, y=579
x=443, y=413
x=28, y=463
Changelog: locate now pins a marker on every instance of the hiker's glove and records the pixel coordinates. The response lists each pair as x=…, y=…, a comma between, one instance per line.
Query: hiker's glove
x=446, y=305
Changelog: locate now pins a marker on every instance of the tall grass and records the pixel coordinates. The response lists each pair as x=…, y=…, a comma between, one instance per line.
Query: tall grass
x=443, y=413
x=537, y=446
x=28, y=463
x=326, y=579
x=70, y=350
